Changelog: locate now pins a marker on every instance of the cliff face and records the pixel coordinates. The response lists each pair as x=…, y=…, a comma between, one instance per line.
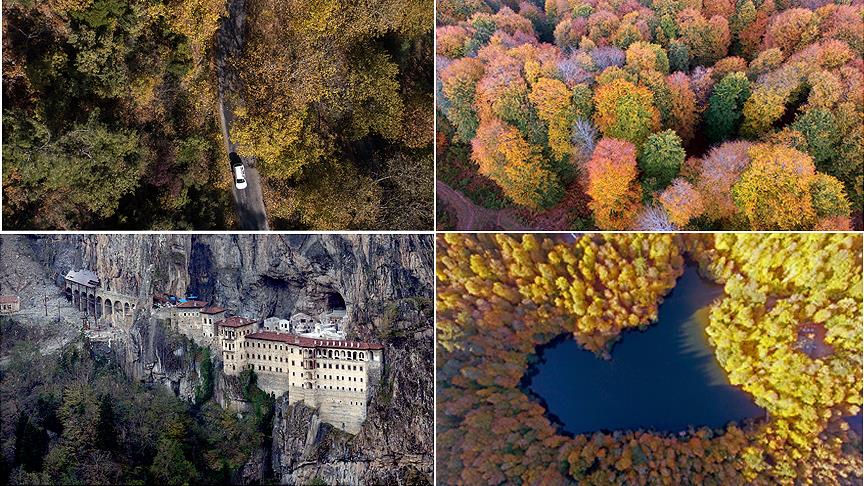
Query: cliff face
x=383, y=281
x=277, y=275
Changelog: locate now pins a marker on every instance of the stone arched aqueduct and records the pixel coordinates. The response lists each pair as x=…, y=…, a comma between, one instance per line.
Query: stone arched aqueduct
x=96, y=302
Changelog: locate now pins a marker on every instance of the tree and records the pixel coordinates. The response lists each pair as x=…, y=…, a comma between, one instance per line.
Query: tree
x=654, y=218
x=106, y=434
x=682, y=202
x=788, y=29
x=774, y=191
x=504, y=156
x=829, y=197
x=569, y=32
x=354, y=199
x=31, y=444
x=707, y=40
x=683, y=112
x=762, y=109
x=660, y=159
x=452, y=39
x=823, y=136
x=625, y=111
x=204, y=390
x=452, y=11
x=612, y=184
x=679, y=56
x=555, y=108
x=170, y=466
x=644, y=56
x=84, y=172
x=767, y=60
x=723, y=117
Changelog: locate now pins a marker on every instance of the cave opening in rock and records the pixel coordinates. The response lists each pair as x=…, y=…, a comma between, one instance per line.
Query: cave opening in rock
x=335, y=301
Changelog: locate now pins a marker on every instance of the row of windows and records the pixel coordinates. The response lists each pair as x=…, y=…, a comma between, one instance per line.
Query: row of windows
x=339, y=366
x=269, y=368
x=328, y=387
x=339, y=378
x=267, y=357
x=279, y=347
x=230, y=333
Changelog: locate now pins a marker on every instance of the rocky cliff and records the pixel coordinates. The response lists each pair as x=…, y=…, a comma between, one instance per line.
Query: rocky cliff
x=383, y=281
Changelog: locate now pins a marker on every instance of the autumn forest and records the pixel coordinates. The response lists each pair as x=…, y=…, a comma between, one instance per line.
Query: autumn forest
x=786, y=330
x=650, y=114
x=117, y=113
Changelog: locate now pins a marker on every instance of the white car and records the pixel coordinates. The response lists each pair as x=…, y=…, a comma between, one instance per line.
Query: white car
x=239, y=177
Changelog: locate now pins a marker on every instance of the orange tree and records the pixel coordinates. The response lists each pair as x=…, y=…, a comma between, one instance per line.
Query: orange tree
x=612, y=184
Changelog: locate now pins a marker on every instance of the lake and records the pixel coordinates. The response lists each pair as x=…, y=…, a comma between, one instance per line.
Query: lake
x=665, y=378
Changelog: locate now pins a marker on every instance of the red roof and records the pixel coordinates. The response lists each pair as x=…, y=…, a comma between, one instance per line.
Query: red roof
x=192, y=304
x=212, y=310
x=8, y=299
x=236, y=321
x=308, y=342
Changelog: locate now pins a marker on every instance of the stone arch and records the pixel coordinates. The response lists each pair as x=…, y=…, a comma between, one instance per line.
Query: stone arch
x=354, y=355
x=118, y=309
x=109, y=308
x=76, y=299
x=91, y=304
x=126, y=309
x=99, y=305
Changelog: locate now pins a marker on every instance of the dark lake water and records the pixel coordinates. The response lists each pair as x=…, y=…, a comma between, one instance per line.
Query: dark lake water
x=665, y=378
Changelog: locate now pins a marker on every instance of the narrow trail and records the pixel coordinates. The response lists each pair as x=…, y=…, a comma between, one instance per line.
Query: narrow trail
x=471, y=217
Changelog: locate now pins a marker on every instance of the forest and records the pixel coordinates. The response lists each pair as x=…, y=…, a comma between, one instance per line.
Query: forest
x=500, y=296
x=75, y=418
x=650, y=115
x=111, y=113
x=336, y=104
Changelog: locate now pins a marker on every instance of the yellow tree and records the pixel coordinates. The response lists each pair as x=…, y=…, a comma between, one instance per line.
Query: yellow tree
x=504, y=156
x=774, y=191
x=626, y=111
x=554, y=105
